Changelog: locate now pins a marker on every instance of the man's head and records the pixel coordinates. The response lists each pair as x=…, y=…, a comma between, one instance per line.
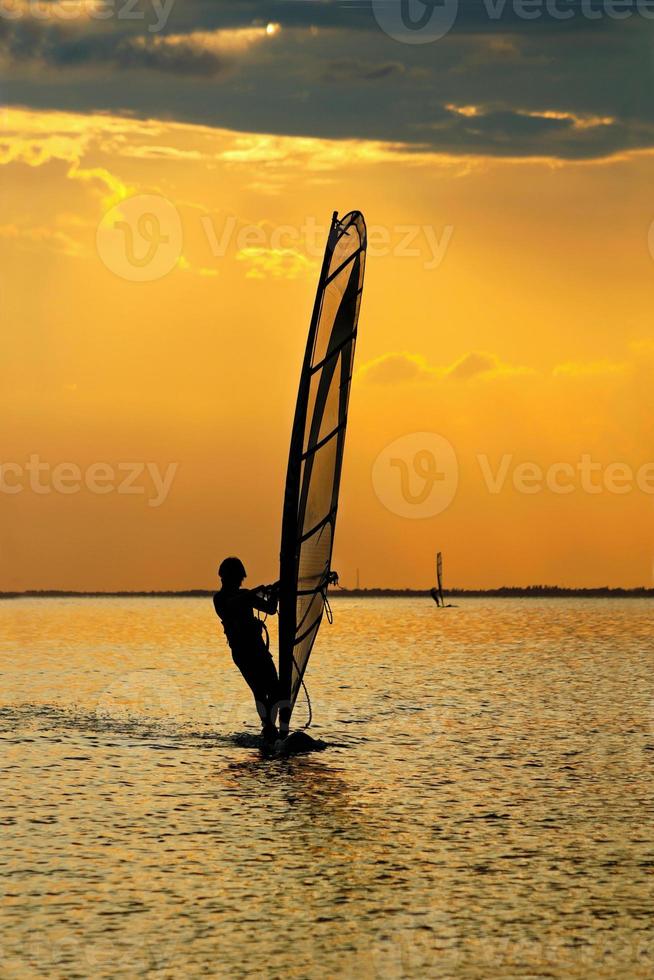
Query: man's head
x=232, y=572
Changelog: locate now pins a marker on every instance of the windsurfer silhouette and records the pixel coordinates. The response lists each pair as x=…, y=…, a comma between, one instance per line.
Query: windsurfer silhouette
x=245, y=634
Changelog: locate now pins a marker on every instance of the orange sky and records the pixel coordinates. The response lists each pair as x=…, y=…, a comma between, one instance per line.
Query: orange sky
x=515, y=325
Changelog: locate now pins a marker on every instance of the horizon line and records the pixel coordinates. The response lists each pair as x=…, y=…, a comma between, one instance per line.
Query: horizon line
x=504, y=591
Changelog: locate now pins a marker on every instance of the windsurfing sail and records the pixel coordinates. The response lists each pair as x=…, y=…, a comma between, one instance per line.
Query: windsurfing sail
x=316, y=453
x=437, y=593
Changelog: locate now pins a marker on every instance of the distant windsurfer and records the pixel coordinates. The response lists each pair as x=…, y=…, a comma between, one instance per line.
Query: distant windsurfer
x=245, y=634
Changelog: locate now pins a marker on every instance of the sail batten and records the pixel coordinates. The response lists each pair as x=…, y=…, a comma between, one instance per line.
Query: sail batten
x=316, y=453
x=325, y=439
x=338, y=271
x=333, y=353
x=318, y=527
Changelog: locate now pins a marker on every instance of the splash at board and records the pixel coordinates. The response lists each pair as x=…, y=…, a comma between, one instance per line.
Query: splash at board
x=315, y=460
x=297, y=743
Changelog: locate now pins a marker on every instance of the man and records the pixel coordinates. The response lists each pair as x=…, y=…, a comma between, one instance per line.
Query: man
x=245, y=634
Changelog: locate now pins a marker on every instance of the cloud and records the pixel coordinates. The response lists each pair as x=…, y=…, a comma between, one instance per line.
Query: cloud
x=574, y=369
x=348, y=70
x=472, y=364
x=52, y=11
x=478, y=363
x=111, y=188
x=37, y=138
x=240, y=66
x=269, y=163
x=405, y=368
x=222, y=41
x=502, y=130
x=161, y=153
x=553, y=118
x=274, y=263
x=28, y=141
x=66, y=45
x=201, y=53
x=309, y=154
x=173, y=56
x=184, y=265
x=39, y=237
x=397, y=368
x=639, y=358
x=167, y=55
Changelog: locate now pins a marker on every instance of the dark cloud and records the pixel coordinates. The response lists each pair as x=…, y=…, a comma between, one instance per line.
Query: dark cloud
x=470, y=16
x=571, y=89
x=178, y=59
x=347, y=70
x=65, y=47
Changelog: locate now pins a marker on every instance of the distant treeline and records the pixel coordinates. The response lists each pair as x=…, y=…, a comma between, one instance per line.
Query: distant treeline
x=69, y=594
x=505, y=592
x=510, y=592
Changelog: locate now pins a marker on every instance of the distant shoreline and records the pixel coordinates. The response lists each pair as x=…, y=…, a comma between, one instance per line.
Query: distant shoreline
x=506, y=592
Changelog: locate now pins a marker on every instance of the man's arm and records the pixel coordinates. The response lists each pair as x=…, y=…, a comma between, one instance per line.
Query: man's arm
x=265, y=598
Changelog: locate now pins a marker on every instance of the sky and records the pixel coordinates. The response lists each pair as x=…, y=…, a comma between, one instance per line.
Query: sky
x=168, y=175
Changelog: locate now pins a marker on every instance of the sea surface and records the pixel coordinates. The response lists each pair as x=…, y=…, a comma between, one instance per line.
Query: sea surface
x=483, y=809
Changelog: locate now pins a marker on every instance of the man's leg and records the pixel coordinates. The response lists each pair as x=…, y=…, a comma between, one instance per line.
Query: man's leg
x=270, y=686
x=251, y=675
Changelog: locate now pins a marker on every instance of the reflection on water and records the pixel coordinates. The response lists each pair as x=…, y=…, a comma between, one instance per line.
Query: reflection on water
x=484, y=808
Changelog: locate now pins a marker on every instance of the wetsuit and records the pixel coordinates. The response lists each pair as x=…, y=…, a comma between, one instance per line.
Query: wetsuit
x=245, y=635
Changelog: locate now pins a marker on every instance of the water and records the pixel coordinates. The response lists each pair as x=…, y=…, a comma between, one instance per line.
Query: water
x=484, y=808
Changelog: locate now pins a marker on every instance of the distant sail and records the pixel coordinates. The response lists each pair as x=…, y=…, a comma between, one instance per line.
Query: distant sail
x=437, y=593
x=316, y=453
